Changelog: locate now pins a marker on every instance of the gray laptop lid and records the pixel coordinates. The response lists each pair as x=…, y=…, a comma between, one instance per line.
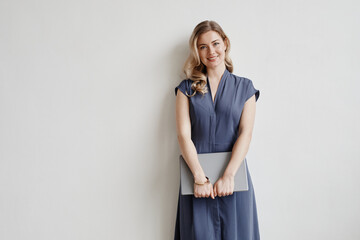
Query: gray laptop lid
x=214, y=165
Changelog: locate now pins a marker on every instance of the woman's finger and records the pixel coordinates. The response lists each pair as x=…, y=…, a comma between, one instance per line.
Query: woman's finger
x=212, y=193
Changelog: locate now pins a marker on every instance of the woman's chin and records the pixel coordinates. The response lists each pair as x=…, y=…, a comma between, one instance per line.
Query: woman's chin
x=213, y=65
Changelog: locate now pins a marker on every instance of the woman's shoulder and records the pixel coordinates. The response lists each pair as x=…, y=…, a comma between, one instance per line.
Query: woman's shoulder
x=186, y=81
x=245, y=85
x=184, y=86
x=240, y=80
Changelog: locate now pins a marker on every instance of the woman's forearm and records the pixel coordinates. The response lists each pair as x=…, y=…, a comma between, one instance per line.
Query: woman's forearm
x=189, y=153
x=238, y=154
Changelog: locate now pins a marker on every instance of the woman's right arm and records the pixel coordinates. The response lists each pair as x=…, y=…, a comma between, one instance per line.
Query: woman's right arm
x=183, y=130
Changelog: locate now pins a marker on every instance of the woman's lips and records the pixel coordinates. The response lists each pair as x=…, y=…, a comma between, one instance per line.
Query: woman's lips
x=212, y=59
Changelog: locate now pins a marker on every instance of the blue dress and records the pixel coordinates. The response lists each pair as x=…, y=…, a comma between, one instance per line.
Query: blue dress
x=215, y=128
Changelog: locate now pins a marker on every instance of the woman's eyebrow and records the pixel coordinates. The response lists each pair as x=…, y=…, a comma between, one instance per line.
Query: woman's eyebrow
x=205, y=44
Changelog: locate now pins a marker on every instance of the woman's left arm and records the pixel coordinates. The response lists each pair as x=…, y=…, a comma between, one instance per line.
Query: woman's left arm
x=224, y=186
x=242, y=144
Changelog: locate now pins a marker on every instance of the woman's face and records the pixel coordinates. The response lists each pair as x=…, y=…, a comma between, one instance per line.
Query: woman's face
x=211, y=48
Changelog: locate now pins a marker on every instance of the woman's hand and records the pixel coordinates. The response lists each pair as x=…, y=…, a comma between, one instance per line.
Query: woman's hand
x=204, y=190
x=224, y=186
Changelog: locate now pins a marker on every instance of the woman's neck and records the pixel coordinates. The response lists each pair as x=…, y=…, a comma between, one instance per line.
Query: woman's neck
x=215, y=74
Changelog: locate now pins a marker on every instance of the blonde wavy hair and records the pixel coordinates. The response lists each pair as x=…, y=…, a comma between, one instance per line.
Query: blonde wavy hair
x=193, y=68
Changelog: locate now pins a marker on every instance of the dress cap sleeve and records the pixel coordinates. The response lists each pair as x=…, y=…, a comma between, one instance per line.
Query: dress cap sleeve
x=183, y=87
x=251, y=90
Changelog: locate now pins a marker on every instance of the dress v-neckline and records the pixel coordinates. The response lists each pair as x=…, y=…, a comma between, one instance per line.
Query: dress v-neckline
x=222, y=79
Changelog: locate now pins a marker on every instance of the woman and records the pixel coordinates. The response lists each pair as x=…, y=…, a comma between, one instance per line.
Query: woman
x=215, y=112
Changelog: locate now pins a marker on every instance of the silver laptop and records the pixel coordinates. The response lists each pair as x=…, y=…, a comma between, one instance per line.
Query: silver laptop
x=214, y=165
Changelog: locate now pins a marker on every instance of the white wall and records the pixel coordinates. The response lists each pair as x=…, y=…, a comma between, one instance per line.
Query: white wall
x=88, y=146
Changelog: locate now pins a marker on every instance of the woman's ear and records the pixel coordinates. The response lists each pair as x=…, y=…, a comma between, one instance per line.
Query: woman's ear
x=225, y=43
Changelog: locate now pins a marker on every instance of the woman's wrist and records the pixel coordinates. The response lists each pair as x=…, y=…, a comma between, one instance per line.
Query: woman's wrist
x=202, y=182
x=228, y=173
x=199, y=178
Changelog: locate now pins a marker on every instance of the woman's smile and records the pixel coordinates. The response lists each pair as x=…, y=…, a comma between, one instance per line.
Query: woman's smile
x=212, y=59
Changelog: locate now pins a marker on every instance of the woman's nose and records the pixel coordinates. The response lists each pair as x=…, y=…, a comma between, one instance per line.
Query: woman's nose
x=211, y=50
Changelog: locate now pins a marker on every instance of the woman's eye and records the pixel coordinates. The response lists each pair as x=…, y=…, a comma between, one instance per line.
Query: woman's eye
x=216, y=43
x=202, y=47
